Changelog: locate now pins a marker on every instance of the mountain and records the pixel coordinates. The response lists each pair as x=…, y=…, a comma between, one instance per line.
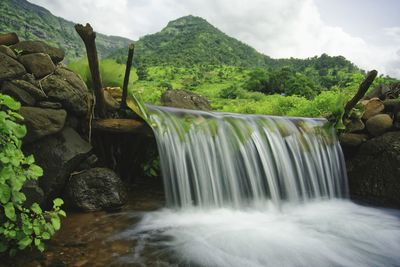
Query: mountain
x=192, y=40
x=32, y=22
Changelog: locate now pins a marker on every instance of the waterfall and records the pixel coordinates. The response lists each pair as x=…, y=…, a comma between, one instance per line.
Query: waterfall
x=232, y=160
x=250, y=190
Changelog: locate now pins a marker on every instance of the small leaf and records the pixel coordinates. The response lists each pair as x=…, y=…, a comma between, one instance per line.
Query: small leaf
x=23, y=243
x=4, y=193
x=58, y=202
x=10, y=211
x=55, y=221
x=36, y=208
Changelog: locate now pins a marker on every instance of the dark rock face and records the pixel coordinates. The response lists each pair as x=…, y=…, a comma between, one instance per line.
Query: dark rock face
x=184, y=99
x=8, y=51
x=10, y=68
x=66, y=87
x=18, y=94
x=33, y=193
x=96, y=189
x=28, y=87
x=59, y=155
x=41, y=122
x=47, y=104
x=31, y=47
x=374, y=171
x=39, y=64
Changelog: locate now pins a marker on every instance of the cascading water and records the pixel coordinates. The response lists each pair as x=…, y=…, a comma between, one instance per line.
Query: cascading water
x=221, y=160
x=246, y=190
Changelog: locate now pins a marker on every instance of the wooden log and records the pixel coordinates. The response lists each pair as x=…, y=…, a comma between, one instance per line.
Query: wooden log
x=88, y=36
x=363, y=88
x=131, y=50
x=9, y=38
x=121, y=126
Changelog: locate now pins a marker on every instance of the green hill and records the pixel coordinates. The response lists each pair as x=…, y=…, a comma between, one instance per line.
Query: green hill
x=32, y=22
x=189, y=41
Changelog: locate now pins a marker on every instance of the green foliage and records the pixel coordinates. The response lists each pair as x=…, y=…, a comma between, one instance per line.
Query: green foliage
x=20, y=226
x=231, y=92
x=16, y=15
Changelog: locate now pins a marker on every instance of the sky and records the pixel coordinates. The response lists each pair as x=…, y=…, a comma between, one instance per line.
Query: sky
x=367, y=32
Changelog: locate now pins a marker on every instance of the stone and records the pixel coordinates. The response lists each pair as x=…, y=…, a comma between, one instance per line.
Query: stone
x=374, y=171
x=48, y=104
x=39, y=64
x=8, y=51
x=31, y=47
x=111, y=103
x=66, y=87
x=41, y=122
x=372, y=107
x=10, y=68
x=33, y=193
x=58, y=155
x=352, y=139
x=34, y=91
x=9, y=38
x=355, y=125
x=379, y=124
x=96, y=189
x=18, y=94
x=184, y=99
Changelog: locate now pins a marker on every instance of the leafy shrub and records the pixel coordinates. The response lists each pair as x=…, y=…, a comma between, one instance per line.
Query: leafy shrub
x=20, y=226
x=231, y=92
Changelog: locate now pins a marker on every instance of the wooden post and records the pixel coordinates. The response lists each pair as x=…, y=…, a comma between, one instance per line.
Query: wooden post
x=88, y=36
x=127, y=74
x=362, y=89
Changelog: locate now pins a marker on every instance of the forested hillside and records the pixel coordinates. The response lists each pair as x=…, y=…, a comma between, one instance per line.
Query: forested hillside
x=32, y=22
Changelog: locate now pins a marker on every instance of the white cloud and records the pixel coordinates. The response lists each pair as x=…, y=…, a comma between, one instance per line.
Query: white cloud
x=290, y=28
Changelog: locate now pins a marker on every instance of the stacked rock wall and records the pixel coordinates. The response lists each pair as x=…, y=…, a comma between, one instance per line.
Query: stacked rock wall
x=55, y=105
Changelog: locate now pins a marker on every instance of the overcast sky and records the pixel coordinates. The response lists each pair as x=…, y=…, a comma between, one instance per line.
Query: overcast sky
x=365, y=31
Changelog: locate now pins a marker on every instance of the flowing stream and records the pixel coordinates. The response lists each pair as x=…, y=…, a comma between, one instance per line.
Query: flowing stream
x=247, y=190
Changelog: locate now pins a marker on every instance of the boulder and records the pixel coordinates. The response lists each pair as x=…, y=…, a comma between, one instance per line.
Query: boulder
x=355, y=125
x=48, y=104
x=33, y=193
x=18, y=94
x=95, y=189
x=39, y=64
x=59, y=155
x=352, y=139
x=66, y=87
x=10, y=68
x=9, y=38
x=8, y=51
x=41, y=122
x=33, y=91
x=184, y=99
x=372, y=107
x=379, y=124
x=31, y=47
x=374, y=171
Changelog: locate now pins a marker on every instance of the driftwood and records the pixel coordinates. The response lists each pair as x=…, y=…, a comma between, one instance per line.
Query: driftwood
x=88, y=36
x=127, y=74
x=9, y=38
x=363, y=88
x=121, y=126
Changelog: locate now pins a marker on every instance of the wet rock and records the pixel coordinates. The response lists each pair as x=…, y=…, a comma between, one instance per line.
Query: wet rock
x=31, y=47
x=352, y=139
x=18, y=94
x=355, y=125
x=48, y=104
x=39, y=64
x=8, y=51
x=184, y=99
x=88, y=163
x=41, y=122
x=33, y=193
x=374, y=172
x=66, y=87
x=58, y=155
x=10, y=68
x=96, y=189
x=379, y=124
x=34, y=91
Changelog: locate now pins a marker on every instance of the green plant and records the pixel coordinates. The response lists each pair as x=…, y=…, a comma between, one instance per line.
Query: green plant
x=20, y=226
